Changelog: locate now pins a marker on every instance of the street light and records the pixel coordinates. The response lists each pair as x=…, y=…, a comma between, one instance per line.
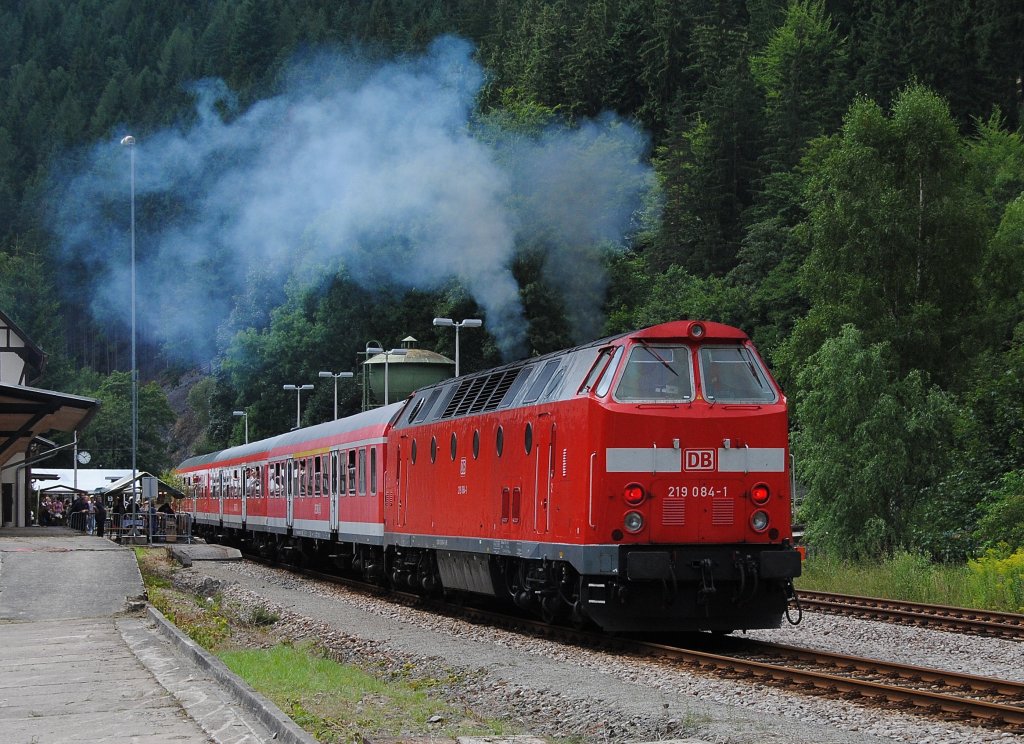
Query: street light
x=245, y=417
x=467, y=323
x=387, y=354
x=336, y=376
x=129, y=142
x=298, y=400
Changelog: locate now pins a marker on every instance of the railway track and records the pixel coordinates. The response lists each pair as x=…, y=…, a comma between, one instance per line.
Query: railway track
x=949, y=695
x=960, y=619
x=985, y=701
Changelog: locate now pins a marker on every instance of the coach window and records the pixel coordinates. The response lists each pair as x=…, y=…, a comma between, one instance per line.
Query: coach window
x=476, y=444
x=352, y=472
x=499, y=441
x=528, y=438
x=334, y=473
x=373, y=471
x=433, y=449
x=412, y=453
x=455, y=447
x=362, y=471
x=259, y=481
x=317, y=476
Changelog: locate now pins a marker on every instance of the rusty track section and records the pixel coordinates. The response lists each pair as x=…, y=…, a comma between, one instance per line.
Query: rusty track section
x=959, y=619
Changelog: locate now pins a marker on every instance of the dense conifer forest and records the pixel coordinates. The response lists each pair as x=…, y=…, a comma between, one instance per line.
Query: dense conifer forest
x=842, y=180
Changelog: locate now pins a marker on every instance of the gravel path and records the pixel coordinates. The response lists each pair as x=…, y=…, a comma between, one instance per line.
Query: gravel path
x=560, y=691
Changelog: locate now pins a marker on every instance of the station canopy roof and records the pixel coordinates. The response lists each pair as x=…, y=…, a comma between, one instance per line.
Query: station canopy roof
x=29, y=413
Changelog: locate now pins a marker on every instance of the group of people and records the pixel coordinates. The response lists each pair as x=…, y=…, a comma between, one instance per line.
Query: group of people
x=53, y=511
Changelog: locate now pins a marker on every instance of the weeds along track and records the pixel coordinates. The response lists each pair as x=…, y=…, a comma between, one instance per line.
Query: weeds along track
x=939, y=617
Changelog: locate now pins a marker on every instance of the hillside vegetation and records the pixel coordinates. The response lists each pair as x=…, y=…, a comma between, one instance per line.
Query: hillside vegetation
x=842, y=180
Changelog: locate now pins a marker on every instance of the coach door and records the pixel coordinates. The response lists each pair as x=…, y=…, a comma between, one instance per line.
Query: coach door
x=220, y=478
x=289, y=484
x=335, y=471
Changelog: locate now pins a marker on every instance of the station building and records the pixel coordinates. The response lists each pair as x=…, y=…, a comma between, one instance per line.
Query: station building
x=27, y=415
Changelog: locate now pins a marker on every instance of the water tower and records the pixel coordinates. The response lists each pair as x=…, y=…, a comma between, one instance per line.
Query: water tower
x=406, y=372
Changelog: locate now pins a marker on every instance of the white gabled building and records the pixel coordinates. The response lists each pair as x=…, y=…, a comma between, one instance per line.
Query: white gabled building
x=26, y=415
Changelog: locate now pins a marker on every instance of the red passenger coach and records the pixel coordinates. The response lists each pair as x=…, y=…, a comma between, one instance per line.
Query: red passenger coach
x=640, y=483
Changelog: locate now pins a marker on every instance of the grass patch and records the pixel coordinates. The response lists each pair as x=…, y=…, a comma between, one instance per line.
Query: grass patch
x=333, y=701
x=338, y=703
x=993, y=582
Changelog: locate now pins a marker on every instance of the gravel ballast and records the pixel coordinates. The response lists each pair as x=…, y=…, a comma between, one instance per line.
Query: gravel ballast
x=556, y=690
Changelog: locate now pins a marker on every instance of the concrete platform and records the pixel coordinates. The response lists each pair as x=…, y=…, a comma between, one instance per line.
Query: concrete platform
x=186, y=554
x=77, y=666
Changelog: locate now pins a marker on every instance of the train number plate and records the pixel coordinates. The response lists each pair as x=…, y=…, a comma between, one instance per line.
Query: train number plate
x=703, y=491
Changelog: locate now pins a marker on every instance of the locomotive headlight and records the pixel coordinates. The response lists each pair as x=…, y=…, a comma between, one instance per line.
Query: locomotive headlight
x=634, y=494
x=696, y=330
x=759, y=493
x=759, y=520
x=633, y=522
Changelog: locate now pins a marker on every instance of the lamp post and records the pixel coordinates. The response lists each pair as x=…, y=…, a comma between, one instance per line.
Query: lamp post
x=245, y=417
x=387, y=354
x=298, y=400
x=129, y=142
x=467, y=323
x=336, y=376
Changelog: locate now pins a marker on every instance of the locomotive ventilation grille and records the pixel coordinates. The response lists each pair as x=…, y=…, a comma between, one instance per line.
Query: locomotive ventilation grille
x=483, y=393
x=722, y=511
x=673, y=512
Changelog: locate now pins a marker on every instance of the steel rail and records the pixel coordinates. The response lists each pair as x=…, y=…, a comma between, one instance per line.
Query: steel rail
x=962, y=619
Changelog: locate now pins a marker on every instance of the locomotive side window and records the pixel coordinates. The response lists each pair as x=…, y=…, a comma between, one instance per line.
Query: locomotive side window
x=528, y=438
x=476, y=444
x=520, y=382
x=499, y=441
x=542, y=380
x=605, y=382
x=412, y=452
x=433, y=449
x=732, y=374
x=454, y=446
x=600, y=363
x=656, y=374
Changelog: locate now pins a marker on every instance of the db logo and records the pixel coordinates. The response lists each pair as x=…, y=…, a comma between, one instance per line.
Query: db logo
x=700, y=459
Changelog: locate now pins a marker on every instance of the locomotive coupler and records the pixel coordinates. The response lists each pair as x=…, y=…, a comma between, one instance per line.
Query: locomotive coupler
x=707, y=580
x=793, y=601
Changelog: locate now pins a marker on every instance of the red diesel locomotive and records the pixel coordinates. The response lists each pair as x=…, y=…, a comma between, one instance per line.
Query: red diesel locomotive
x=639, y=483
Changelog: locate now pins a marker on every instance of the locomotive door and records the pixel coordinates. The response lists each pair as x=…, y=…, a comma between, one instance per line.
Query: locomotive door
x=289, y=481
x=544, y=473
x=403, y=476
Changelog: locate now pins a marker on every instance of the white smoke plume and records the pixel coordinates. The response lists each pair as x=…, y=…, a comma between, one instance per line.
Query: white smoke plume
x=379, y=159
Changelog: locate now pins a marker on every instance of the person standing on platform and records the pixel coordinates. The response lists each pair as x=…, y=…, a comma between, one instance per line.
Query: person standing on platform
x=101, y=516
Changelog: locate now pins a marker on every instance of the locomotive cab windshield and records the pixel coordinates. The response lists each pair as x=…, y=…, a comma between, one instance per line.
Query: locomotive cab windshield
x=656, y=374
x=732, y=374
